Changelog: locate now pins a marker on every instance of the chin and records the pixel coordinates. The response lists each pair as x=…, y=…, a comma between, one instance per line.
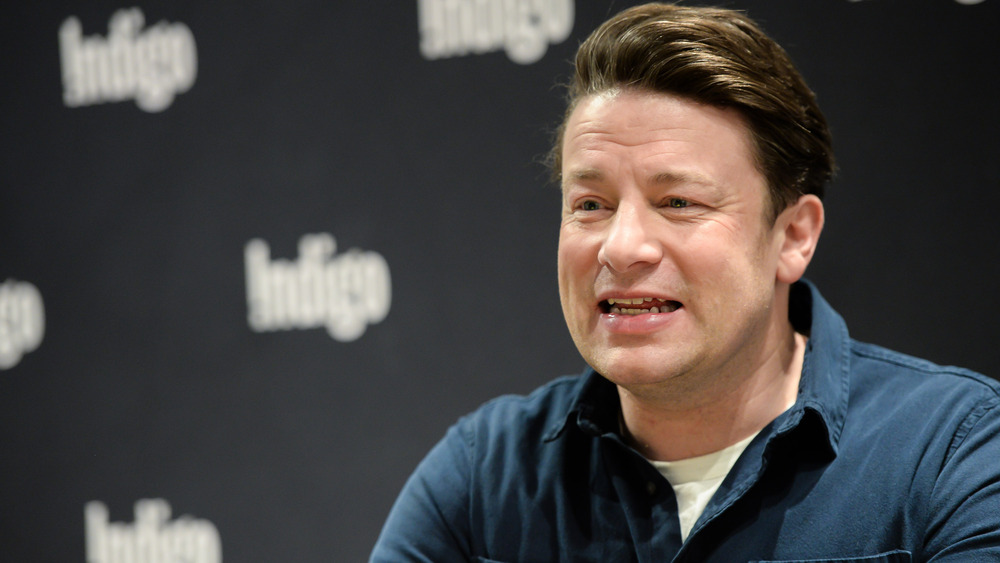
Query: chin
x=635, y=372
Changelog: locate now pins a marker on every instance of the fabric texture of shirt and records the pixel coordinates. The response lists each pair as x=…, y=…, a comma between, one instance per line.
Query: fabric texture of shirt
x=883, y=458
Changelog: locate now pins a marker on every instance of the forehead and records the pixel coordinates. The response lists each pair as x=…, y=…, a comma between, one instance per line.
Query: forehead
x=656, y=135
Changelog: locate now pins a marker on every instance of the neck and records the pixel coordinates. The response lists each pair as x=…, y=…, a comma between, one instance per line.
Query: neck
x=715, y=412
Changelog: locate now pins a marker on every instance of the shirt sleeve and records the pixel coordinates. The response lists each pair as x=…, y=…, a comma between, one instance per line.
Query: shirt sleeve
x=430, y=520
x=965, y=504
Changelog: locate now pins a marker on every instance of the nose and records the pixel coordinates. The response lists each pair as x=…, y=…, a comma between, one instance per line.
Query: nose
x=630, y=240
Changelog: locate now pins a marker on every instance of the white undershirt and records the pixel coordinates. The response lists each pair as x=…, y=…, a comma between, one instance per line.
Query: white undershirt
x=696, y=479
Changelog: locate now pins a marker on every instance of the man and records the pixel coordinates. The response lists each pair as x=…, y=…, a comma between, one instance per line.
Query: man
x=727, y=415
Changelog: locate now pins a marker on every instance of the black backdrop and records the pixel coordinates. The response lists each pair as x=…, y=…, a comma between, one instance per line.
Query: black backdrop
x=130, y=369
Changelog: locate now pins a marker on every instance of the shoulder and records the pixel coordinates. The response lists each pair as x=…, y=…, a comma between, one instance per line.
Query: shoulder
x=891, y=386
x=894, y=369
x=518, y=416
x=478, y=467
x=493, y=441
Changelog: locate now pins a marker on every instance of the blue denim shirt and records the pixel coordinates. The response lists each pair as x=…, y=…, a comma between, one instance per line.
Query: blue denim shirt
x=883, y=458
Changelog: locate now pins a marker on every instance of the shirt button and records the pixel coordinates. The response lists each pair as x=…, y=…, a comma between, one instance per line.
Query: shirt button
x=651, y=488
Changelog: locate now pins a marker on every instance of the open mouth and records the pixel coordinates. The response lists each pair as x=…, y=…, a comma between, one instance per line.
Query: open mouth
x=638, y=306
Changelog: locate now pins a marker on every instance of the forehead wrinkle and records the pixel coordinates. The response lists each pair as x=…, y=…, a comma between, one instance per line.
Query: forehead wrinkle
x=592, y=132
x=660, y=178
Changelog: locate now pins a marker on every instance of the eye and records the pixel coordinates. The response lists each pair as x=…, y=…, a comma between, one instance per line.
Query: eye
x=590, y=205
x=677, y=203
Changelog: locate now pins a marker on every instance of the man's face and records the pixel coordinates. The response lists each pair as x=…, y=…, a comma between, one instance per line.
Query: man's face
x=667, y=264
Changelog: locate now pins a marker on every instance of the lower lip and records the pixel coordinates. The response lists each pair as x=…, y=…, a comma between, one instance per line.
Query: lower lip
x=637, y=324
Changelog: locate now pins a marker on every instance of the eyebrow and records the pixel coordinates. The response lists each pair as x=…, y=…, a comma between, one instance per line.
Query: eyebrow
x=680, y=178
x=587, y=174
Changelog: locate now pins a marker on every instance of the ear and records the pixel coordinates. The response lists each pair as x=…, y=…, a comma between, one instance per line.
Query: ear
x=801, y=224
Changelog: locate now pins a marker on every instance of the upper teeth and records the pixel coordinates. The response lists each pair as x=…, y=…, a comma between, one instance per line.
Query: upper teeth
x=646, y=305
x=636, y=301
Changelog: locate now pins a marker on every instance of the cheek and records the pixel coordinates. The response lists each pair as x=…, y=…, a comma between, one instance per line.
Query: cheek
x=705, y=260
x=574, y=255
x=722, y=274
x=721, y=250
x=576, y=265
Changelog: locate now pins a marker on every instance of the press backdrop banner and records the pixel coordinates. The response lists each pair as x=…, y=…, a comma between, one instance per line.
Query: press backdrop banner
x=256, y=257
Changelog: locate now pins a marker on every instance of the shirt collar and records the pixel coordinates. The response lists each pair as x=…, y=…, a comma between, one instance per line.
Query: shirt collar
x=825, y=382
x=823, y=388
x=595, y=410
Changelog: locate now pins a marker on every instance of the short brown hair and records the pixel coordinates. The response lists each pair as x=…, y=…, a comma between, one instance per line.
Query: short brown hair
x=718, y=57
